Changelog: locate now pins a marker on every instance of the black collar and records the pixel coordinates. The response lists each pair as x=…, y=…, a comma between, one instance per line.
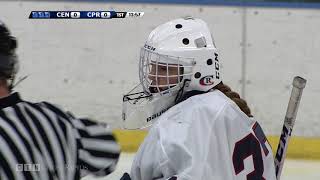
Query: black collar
x=10, y=100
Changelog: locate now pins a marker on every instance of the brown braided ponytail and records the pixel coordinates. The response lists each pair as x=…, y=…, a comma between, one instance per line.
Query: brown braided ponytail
x=234, y=97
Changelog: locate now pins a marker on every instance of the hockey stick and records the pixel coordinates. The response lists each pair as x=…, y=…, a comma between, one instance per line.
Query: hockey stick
x=298, y=84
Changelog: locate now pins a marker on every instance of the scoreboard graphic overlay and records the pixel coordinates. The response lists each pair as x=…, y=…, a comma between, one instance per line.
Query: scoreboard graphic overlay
x=83, y=14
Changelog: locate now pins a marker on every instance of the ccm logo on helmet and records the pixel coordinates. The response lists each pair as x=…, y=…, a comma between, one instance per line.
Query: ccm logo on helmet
x=207, y=80
x=217, y=65
x=149, y=47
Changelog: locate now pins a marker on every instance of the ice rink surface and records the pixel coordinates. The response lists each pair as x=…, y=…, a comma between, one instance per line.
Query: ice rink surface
x=293, y=169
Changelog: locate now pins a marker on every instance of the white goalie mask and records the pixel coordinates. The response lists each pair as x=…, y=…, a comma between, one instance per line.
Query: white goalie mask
x=178, y=57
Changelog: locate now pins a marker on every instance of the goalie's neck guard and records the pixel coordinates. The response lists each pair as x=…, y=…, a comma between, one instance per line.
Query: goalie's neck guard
x=140, y=110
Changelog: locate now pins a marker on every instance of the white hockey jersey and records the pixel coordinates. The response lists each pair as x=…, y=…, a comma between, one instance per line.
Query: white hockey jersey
x=206, y=137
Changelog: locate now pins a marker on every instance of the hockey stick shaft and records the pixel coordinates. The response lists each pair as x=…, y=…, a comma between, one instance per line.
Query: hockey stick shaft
x=298, y=84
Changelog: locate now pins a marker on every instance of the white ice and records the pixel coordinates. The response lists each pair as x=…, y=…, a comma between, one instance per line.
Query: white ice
x=293, y=169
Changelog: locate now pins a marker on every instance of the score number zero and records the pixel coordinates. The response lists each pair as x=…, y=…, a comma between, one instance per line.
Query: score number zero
x=75, y=14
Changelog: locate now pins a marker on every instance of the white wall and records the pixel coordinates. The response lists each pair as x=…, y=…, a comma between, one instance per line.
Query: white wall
x=87, y=65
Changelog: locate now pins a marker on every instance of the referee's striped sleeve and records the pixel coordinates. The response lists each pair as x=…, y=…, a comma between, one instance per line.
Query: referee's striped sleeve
x=98, y=151
x=42, y=142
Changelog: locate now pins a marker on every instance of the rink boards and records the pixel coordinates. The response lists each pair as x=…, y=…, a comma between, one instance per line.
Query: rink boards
x=299, y=147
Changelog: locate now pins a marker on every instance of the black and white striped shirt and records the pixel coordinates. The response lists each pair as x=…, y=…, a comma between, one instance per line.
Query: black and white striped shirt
x=40, y=141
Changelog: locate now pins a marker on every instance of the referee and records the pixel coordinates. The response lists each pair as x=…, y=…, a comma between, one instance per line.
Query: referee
x=41, y=141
